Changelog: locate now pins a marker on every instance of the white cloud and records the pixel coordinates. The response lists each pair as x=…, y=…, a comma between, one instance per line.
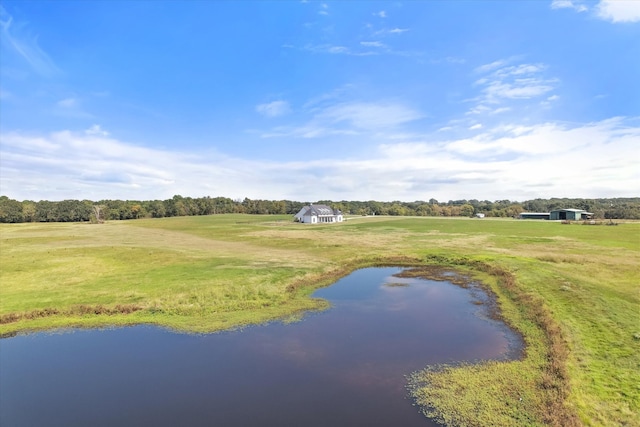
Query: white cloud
x=476, y=126
x=569, y=4
x=381, y=14
x=500, y=110
x=337, y=49
x=516, y=162
x=492, y=66
x=96, y=130
x=619, y=10
x=518, y=89
x=385, y=32
x=501, y=83
x=479, y=109
x=373, y=44
x=616, y=11
x=274, y=109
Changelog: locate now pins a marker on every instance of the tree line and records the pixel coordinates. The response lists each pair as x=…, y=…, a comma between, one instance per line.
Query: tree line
x=14, y=211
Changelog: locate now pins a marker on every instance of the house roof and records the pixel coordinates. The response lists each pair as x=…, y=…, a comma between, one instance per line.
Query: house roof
x=320, y=210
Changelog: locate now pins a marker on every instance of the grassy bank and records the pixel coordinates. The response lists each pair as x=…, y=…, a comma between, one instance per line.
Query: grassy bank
x=572, y=290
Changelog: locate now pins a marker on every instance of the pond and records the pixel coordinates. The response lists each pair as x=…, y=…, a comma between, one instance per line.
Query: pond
x=344, y=366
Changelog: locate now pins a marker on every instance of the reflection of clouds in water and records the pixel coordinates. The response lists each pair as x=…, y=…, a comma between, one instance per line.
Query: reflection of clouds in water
x=389, y=375
x=416, y=292
x=304, y=353
x=367, y=374
x=294, y=348
x=368, y=342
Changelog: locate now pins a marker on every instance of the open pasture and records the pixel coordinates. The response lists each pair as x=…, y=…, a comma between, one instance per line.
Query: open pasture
x=203, y=274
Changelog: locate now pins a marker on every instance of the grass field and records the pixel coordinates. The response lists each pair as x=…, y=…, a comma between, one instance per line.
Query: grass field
x=571, y=290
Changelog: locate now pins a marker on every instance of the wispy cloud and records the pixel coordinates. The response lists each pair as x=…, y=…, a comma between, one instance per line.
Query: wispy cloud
x=501, y=82
x=368, y=115
x=340, y=50
x=389, y=31
x=71, y=107
x=569, y=4
x=327, y=115
x=373, y=44
x=514, y=162
x=364, y=48
x=321, y=101
x=16, y=40
x=483, y=109
x=274, y=108
x=493, y=65
x=68, y=103
x=96, y=130
x=381, y=14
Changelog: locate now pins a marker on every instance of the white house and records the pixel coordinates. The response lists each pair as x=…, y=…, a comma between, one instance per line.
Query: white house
x=316, y=214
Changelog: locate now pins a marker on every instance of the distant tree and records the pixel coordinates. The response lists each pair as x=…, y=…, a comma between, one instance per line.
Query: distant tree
x=72, y=211
x=397, y=209
x=466, y=210
x=46, y=211
x=10, y=210
x=28, y=211
x=156, y=209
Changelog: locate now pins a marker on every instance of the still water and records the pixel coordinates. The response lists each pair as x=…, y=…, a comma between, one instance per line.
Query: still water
x=342, y=367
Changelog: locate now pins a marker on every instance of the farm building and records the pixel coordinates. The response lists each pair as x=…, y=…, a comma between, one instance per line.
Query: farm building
x=570, y=214
x=317, y=214
x=534, y=215
x=558, y=215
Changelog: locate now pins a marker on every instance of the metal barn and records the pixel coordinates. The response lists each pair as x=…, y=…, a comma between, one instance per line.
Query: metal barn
x=569, y=215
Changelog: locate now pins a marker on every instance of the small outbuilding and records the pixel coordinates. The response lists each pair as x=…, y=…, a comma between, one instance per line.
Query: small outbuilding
x=569, y=215
x=534, y=215
x=318, y=214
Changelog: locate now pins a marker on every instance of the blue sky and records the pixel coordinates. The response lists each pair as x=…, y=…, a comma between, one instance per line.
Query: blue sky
x=349, y=100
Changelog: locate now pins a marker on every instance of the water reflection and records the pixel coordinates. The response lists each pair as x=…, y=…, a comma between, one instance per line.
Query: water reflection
x=345, y=366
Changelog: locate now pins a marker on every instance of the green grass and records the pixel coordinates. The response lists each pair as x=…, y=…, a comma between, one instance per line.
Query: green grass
x=571, y=290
